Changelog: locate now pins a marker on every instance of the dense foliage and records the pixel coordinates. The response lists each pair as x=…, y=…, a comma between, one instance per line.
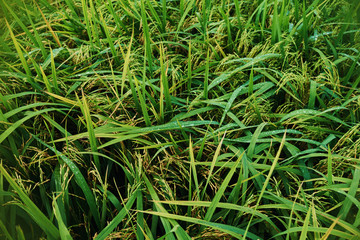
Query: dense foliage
x=179, y=119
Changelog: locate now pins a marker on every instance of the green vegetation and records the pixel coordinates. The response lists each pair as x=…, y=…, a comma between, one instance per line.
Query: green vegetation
x=174, y=119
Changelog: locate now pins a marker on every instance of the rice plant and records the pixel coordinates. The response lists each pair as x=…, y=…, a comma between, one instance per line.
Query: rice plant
x=174, y=119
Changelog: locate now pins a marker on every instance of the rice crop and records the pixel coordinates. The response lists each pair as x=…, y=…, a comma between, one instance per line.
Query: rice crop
x=180, y=119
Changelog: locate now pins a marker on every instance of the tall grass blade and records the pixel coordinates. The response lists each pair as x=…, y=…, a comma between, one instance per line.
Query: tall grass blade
x=30, y=207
